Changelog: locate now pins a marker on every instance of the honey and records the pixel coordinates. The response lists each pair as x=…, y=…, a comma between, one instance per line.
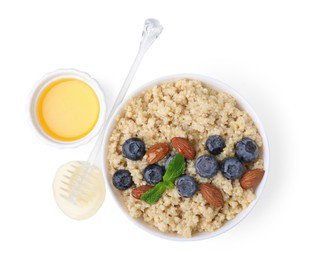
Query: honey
x=68, y=109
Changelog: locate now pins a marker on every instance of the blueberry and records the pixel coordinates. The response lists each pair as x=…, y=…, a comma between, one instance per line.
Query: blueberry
x=122, y=179
x=133, y=149
x=246, y=150
x=153, y=174
x=168, y=161
x=186, y=186
x=215, y=144
x=232, y=168
x=206, y=166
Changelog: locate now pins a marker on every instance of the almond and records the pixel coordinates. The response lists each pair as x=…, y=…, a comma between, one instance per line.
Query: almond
x=157, y=152
x=184, y=147
x=212, y=194
x=251, y=178
x=139, y=191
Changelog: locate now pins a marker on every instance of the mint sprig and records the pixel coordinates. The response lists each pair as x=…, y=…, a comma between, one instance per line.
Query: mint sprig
x=175, y=168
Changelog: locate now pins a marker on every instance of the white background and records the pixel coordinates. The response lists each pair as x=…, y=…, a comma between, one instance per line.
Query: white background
x=266, y=50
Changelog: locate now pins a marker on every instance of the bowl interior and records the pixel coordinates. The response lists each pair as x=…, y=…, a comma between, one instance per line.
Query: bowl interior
x=242, y=103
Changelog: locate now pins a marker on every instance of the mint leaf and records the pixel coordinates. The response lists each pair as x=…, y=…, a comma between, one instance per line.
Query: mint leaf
x=153, y=195
x=175, y=168
x=169, y=185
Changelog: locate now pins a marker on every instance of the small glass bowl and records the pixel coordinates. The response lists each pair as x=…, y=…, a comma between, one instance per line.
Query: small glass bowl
x=44, y=82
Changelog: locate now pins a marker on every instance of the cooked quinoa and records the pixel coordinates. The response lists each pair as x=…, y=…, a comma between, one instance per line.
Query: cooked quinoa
x=183, y=108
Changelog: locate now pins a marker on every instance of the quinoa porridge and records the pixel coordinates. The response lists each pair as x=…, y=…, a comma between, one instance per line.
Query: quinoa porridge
x=183, y=108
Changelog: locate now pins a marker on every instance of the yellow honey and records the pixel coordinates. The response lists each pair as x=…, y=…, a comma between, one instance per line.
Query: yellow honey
x=68, y=109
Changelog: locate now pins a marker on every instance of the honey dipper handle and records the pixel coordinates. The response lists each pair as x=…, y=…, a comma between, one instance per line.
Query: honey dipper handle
x=152, y=29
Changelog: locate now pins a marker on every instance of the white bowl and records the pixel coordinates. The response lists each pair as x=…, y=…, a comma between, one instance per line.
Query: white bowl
x=45, y=81
x=242, y=103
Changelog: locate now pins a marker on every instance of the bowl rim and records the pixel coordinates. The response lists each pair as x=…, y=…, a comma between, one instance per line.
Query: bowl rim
x=43, y=83
x=241, y=101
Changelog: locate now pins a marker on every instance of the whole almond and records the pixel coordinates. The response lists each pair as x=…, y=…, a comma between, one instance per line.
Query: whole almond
x=184, y=147
x=212, y=194
x=139, y=191
x=251, y=178
x=157, y=152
